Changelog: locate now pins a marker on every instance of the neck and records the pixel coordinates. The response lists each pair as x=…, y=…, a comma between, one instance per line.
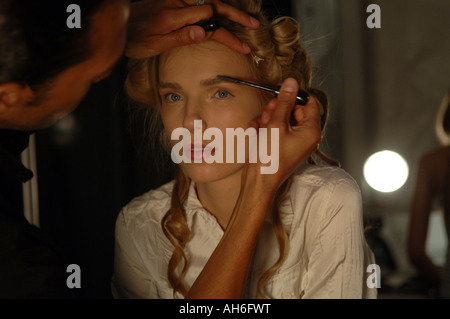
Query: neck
x=219, y=197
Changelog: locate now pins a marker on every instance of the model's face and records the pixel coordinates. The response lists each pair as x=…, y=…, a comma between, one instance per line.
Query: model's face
x=190, y=90
x=107, y=36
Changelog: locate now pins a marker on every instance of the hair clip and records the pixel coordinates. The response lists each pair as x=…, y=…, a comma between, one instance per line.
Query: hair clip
x=257, y=59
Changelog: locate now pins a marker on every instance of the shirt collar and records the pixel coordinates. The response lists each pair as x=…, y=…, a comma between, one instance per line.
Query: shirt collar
x=193, y=204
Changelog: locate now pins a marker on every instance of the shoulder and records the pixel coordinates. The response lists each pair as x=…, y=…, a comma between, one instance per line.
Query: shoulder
x=325, y=179
x=148, y=207
x=325, y=201
x=325, y=191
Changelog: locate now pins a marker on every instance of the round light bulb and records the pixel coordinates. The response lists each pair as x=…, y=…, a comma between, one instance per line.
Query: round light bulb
x=386, y=171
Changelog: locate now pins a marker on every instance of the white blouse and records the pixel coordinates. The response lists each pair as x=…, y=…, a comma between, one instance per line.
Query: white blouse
x=322, y=215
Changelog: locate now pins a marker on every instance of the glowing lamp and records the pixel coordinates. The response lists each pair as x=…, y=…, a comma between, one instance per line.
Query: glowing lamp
x=386, y=171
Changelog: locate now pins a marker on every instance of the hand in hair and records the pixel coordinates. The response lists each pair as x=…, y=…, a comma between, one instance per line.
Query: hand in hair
x=157, y=26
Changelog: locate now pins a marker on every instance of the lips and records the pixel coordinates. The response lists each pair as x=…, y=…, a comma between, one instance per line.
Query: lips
x=197, y=152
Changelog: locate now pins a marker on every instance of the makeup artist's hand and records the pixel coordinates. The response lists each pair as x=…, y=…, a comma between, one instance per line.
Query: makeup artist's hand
x=156, y=26
x=298, y=140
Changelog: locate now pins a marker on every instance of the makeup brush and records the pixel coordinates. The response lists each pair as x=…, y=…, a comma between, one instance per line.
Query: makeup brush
x=302, y=96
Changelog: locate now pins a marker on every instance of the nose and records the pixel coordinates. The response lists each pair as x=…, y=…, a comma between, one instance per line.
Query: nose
x=194, y=112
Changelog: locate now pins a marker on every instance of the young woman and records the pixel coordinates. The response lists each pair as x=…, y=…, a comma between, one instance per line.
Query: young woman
x=170, y=241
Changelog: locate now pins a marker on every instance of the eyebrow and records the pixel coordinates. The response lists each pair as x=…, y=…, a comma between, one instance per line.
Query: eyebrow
x=212, y=81
x=207, y=82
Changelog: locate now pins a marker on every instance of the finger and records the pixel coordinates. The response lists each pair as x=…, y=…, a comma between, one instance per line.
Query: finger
x=174, y=19
x=224, y=36
x=309, y=117
x=285, y=101
x=229, y=12
x=267, y=112
x=256, y=123
x=312, y=109
x=297, y=116
x=233, y=14
x=184, y=36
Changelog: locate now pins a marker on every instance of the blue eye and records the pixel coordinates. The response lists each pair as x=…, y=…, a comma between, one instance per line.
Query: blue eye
x=173, y=97
x=222, y=94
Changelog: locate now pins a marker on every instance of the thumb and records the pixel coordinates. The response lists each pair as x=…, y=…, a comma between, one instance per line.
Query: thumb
x=285, y=101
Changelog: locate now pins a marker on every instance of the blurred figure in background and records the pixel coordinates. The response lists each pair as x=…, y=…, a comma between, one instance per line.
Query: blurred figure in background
x=432, y=191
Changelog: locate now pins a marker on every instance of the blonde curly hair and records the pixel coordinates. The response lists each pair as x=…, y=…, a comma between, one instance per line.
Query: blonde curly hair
x=276, y=54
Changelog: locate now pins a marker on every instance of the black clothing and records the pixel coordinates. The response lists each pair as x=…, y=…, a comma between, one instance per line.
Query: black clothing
x=30, y=264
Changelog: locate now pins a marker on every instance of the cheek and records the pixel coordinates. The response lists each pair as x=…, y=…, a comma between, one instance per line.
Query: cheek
x=233, y=120
x=169, y=121
x=253, y=106
x=241, y=115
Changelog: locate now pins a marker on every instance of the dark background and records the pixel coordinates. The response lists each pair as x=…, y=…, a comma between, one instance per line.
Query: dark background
x=89, y=165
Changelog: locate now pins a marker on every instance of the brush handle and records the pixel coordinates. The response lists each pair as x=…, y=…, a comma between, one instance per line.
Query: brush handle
x=302, y=96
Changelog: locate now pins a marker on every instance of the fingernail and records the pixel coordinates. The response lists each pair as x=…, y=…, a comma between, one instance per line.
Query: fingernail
x=246, y=47
x=254, y=22
x=288, y=86
x=196, y=34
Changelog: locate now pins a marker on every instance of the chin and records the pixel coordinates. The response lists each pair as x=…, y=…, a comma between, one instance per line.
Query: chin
x=208, y=173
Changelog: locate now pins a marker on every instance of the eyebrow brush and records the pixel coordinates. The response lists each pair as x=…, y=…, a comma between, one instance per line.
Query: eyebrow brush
x=302, y=96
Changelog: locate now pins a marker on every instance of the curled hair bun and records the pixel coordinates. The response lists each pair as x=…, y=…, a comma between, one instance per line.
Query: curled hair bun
x=275, y=45
x=285, y=36
x=293, y=59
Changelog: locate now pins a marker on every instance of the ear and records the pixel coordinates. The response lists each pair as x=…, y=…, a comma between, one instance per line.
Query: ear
x=12, y=95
